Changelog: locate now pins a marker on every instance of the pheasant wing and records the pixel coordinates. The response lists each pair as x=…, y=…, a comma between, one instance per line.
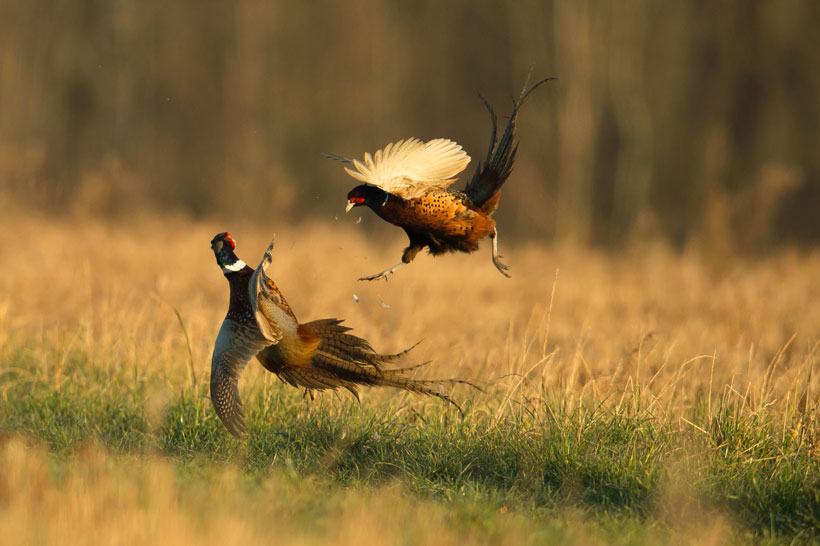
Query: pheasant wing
x=235, y=346
x=411, y=167
x=238, y=342
x=338, y=158
x=267, y=302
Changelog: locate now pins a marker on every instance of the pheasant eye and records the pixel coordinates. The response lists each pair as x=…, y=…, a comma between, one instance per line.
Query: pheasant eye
x=357, y=200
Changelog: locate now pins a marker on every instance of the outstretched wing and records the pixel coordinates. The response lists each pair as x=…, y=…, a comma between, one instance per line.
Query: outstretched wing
x=410, y=167
x=235, y=346
x=270, y=308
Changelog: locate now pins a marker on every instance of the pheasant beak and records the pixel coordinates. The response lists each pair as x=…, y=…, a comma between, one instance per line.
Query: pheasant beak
x=350, y=205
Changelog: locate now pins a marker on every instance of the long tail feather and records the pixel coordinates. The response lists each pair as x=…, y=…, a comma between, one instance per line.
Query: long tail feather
x=498, y=163
x=336, y=342
x=345, y=360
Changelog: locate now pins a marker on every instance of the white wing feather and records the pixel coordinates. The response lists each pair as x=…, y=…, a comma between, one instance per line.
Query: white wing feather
x=410, y=167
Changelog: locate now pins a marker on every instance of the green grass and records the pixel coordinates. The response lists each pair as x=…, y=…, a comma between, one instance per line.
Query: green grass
x=617, y=464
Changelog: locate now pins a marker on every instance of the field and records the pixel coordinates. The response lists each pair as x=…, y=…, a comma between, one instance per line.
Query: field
x=633, y=397
x=647, y=376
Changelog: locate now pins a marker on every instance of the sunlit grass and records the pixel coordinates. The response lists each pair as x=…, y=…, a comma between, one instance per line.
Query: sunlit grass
x=629, y=399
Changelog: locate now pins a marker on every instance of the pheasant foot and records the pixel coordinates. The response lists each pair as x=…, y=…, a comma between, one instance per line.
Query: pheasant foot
x=383, y=274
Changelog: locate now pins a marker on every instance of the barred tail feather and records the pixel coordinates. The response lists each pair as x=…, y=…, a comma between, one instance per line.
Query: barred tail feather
x=345, y=360
x=336, y=342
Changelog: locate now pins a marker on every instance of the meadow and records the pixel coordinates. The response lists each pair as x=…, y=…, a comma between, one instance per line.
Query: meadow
x=647, y=375
x=631, y=396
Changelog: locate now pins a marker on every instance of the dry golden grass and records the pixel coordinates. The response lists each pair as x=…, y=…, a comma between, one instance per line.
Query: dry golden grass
x=99, y=499
x=575, y=322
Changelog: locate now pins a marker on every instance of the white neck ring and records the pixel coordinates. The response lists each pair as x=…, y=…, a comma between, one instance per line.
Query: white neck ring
x=238, y=265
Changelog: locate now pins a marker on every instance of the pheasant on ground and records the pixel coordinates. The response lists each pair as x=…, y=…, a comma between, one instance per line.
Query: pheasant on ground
x=314, y=355
x=407, y=183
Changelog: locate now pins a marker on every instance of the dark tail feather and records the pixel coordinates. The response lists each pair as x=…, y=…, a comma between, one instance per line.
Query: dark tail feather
x=498, y=164
x=345, y=360
x=335, y=341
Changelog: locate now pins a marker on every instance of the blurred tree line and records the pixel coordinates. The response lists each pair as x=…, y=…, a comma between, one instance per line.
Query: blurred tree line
x=694, y=120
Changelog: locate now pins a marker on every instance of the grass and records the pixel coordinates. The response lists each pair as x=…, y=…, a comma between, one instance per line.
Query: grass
x=634, y=399
x=602, y=462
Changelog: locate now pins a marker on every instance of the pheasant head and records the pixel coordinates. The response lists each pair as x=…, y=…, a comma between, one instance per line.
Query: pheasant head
x=368, y=195
x=223, y=246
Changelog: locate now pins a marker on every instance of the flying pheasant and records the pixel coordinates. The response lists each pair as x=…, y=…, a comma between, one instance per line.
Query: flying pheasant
x=407, y=184
x=314, y=355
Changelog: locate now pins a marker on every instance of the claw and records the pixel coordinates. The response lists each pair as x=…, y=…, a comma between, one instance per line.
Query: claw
x=383, y=274
x=502, y=268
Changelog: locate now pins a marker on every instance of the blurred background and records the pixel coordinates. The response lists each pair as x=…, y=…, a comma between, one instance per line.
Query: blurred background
x=694, y=122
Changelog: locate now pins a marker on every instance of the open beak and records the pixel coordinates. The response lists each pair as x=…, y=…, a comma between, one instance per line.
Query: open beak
x=350, y=205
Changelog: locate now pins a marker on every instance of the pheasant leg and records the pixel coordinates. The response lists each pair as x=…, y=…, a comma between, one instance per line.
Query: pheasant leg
x=502, y=268
x=383, y=274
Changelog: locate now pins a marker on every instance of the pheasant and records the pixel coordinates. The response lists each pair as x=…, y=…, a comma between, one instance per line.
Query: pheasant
x=407, y=184
x=314, y=355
